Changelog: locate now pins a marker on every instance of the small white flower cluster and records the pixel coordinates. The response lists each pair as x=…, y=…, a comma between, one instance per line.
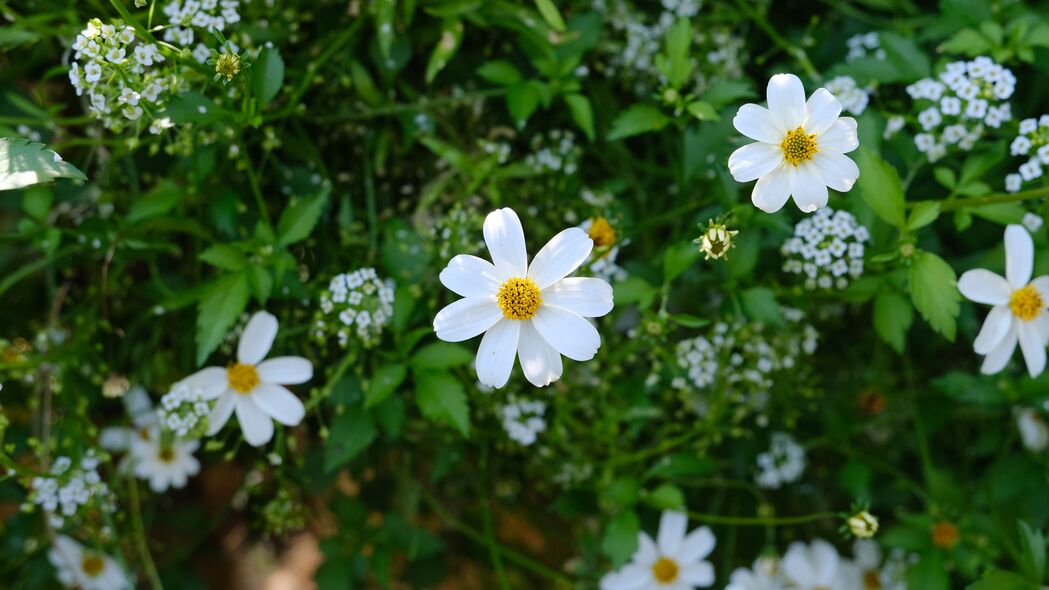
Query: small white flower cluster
x=523, y=420
x=456, y=231
x=184, y=411
x=784, y=462
x=1032, y=221
x=66, y=488
x=863, y=46
x=116, y=73
x=363, y=304
x=202, y=14
x=1033, y=142
x=499, y=149
x=555, y=152
x=853, y=98
x=893, y=126
x=818, y=564
x=636, y=42
x=966, y=93
x=827, y=248
x=726, y=55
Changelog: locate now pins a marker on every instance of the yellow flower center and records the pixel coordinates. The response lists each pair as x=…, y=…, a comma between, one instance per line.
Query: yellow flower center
x=242, y=378
x=871, y=580
x=798, y=146
x=519, y=298
x=602, y=233
x=166, y=455
x=665, y=570
x=92, y=565
x=1026, y=303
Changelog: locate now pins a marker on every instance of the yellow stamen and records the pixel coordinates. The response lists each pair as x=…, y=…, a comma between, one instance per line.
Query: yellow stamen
x=242, y=378
x=665, y=570
x=798, y=146
x=519, y=298
x=602, y=233
x=166, y=455
x=871, y=581
x=92, y=565
x=1026, y=303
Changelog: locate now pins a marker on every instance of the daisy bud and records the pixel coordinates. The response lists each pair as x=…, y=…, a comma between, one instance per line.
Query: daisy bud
x=716, y=241
x=863, y=524
x=227, y=66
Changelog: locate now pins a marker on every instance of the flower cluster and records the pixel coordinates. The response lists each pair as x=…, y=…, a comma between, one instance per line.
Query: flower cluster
x=827, y=248
x=956, y=107
x=863, y=46
x=362, y=304
x=162, y=461
x=784, y=462
x=67, y=487
x=456, y=232
x=186, y=15
x=819, y=565
x=117, y=73
x=632, y=52
x=1032, y=142
x=853, y=98
x=606, y=249
x=184, y=410
x=523, y=420
x=556, y=151
x=77, y=566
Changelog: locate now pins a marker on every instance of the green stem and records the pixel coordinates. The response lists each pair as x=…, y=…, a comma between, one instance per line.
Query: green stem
x=340, y=370
x=253, y=180
x=140, y=537
x=992, y=199
x=762, y=520
x=486, y=521
x=43, y=263
x=782, y=42
x=401, y=108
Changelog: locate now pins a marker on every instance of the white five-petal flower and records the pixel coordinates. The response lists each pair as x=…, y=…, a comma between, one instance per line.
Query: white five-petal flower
x=531, y=311
x=252, y=387
x=674, y=561
x=1019, y=312
x=800, y=149
x=163, y=463
x=79, y=567
x=816, y=566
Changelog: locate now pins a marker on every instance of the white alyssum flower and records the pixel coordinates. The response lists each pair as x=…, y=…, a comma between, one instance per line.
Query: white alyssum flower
x=532, y=311
x=893, y=125
x=523, y=420
x=783, y=463
x=187, y=15
x=800, y=147
x=67, y=487
x=827, y=249
x=1019, y=312
x=164, y=463
x=853, y=97
x=254, y=387
x=1032, y=221
x=1032, y=143
x=79, y=567
x=674, y=561
x=816, y=566
x=864, y=45
x=1033, y=431
x=357, y=304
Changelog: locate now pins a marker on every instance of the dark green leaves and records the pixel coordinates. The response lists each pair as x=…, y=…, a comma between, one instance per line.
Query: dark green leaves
x=23, y=164
x=880, y=187
x=298, y=220
x=267, y=75
x=351, y=432
x=221, y=303
x=638, y=119
x=441, y=398
x=893, y=316
x=620, y=539
x=934, y=291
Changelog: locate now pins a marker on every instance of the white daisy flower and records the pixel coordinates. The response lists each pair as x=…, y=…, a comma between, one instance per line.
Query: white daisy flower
x=674, y=561
x=1033, y=431
x=816, y=566
x=79, y=567
x=800, y=147
x=253, y=387
x=765, y=575
x=529, y=310
x=1019, y=312
x=164, y=464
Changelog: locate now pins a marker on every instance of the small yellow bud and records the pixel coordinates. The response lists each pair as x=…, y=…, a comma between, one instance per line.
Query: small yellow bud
x=716, y=241
x=863, y=524
x=227, y=66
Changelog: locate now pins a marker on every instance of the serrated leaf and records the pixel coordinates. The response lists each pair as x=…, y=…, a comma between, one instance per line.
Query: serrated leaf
x=23, y=163
x=934, y=291
x=221, y=303
x=383, y=383
x=225, y=257
x=298, y=221
x=923, y=213
x=1003, y=580
x=267, y=75
x=441, y=398
x=350, y=433
x=582, y=114
x=638, y=119
x=675, y=64
x=880, y=187
x=893, y=316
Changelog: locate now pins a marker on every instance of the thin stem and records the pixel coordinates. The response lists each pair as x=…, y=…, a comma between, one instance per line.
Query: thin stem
x=140, y=537
x=253, y=180
x=783, y=43
x=486, y=520
x=401, y=108
x=762, y=520
x=340, y=370
x=992, y=199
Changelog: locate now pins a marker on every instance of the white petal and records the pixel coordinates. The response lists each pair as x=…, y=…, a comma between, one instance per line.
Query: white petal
x=771, y=191
x=698, y=574
x=698, y=544
x=1042, y=284
x=506, y=243
x=840, y=138
x=279, y=403
x=256, y=424
x=210, y=381
x=471, y=276
x=1019, y=256
x=586, y=296
x=995, y=327
x=540, y=362
x=646, y=553
x=983, y=286
x=285, y=370
x=825, y=559
x=672, y=525
x=808, y=188
x=560, y=257
x=787, y=100
x=568, y=333
x=221, y=412
x=753, y=161
x=1000, y=356
x=1032, y=345
x=257, y=338
x=796, y=565
x=1041, y=324
x=821, y=111
x=631, y=577
x=759, y=124
x=839, y=172
x=466, y=318
x=495, y=356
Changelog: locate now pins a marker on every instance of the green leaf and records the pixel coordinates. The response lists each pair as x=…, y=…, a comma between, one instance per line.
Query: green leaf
x=500, y=72
x=703, y=111
x=1033, y=558
x=638, y=119
x=441, y=355
x=934, y=291
x=688, y=320
x=267, y=75
x=225, y=257
x=893, y=316
x=620, y=538
x=383, y=383
x=880, y=187
x=261, y=283
x=193, y=107
x=725, y=92
x=521, y=101
x=633, y=289
x=23, y=163
x=221, y=303
x=928, y=573
x=441, y=398
x=924, y=213
x=298, y=221
x=967, y=42
x=677, y=258
x=163, y=198
x=351, y=432
x=365, y=84
x=37, y=202
x=582, y=114
x=1003, y=580
x=666, y=497
x=550, y=14
x=945, y=176
x=676, y=65
x=759, y=303
x=451, y=38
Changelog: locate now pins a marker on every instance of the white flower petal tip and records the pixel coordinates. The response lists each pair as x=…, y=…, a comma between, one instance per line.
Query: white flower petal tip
x=535, y=312
x=799, y=149
x=675, y=560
